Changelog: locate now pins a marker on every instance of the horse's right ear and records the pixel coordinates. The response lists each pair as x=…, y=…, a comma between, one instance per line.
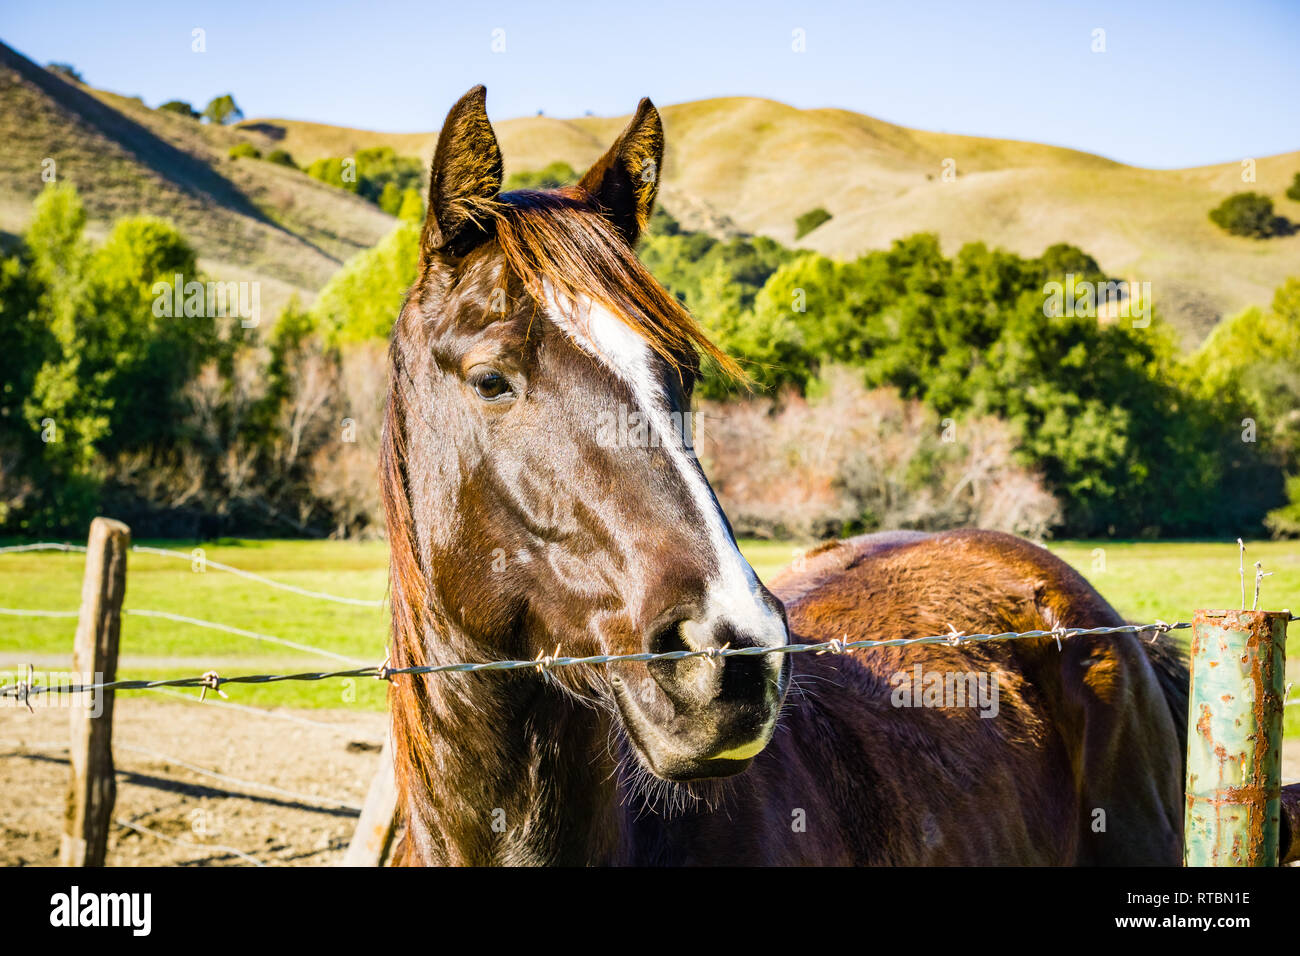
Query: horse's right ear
x=465, y=179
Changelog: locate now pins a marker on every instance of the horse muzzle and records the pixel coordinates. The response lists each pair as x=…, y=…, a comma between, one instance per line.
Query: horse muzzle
x=701, y=717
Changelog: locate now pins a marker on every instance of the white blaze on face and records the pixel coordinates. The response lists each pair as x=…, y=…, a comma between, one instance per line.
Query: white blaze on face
x=733, y=595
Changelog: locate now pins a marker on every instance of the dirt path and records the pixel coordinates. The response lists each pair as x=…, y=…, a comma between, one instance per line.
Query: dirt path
x=319, y=763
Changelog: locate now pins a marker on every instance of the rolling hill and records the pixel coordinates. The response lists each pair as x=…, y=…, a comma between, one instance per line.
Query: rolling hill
x=249, y=220
x=734, y=165
x=753, y=165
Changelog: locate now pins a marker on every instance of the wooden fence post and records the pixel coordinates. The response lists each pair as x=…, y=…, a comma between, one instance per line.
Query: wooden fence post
x=374, y=833
x=1234, y=738
x=92, y=788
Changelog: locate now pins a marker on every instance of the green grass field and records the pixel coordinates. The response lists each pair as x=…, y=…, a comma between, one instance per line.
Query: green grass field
x=1145, y=581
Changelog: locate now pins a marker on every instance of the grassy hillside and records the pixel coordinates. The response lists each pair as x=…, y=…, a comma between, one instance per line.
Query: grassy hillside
x=755, y=165
x=734, y=165
x=248, y=219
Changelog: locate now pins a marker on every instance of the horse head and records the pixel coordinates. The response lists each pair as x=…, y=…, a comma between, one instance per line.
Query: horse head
x=539, y=479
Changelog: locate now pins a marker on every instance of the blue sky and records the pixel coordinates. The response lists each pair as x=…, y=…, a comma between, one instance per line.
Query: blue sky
x=1179, y=84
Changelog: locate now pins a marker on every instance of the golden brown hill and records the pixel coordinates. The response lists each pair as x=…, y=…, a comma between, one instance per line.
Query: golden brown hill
x=754, y=165
x=248, y=219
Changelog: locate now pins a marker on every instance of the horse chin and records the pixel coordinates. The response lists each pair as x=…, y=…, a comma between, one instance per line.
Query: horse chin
x=669, y=757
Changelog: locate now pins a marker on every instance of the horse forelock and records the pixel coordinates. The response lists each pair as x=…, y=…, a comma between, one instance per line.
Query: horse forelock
x=561, y=248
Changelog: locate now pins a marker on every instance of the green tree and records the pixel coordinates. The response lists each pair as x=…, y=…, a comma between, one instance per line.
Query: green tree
x=1247, y=214
x=554, y=176
x=390, y=198
x=336, y=172
x=180, y=108
x=65, y=70
x=222, y=110
x=809, y=221
x=1293, y=191
x=412, y=208
x=244, y=151
x=101, y=370
x=363, y=298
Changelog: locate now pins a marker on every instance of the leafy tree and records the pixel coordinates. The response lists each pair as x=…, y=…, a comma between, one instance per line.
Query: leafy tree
x=412, y=208
x=280, y=157
x=222, y=110
x=245, y=151
x=1293, y=191
x=65, y=70
x=1284, y=522
x=390, y=198
x=100, y=372
x=1249, y=363
x=1247, y=214
x=363, y=299
x=809, y=221
x=179, y=107
x=554, y=176
x=370, y=174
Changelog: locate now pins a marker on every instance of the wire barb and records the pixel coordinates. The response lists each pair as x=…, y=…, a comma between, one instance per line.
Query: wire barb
x=211, y=681
x=24, y=690
x=1260, y=575
x=1058, y=632
x=711, y=654
x=1241, y=570
x=544, y=662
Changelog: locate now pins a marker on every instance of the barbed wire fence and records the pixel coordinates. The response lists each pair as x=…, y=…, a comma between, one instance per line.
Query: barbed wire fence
x=23, y=692
x=18, y=691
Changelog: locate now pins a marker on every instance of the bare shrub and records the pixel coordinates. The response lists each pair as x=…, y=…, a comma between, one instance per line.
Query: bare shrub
x=342, y=469
x=854, y=459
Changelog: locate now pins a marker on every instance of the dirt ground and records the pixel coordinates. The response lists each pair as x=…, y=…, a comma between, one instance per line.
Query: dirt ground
x=319, y=762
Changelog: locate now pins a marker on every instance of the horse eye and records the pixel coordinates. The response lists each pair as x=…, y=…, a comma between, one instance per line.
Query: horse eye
x=490, y=385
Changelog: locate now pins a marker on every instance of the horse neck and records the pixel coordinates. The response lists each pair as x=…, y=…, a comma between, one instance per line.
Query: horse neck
x=521, y=772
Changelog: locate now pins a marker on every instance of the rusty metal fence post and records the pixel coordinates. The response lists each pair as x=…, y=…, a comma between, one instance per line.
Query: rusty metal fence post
x=1234, y=738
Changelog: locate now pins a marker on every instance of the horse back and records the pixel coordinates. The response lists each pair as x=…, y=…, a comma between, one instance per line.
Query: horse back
x=1081, y=761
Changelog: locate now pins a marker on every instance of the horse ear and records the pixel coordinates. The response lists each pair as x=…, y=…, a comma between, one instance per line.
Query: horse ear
x=465, y=179
x=625, y=180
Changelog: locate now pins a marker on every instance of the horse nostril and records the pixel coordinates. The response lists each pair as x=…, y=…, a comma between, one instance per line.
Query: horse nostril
x=668, y=638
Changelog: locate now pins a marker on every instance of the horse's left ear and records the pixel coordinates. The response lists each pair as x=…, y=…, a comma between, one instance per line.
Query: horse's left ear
x=625, y=180
x=465, y=179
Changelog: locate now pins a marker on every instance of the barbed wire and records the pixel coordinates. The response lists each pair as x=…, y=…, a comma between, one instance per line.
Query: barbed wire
x=214, y=681
x=207, y=562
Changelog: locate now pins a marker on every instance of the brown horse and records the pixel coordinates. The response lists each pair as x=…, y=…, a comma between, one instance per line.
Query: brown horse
x=518, y=524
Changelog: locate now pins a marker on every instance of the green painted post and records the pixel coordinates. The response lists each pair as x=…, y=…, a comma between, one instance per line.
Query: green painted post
x=1234, y=738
